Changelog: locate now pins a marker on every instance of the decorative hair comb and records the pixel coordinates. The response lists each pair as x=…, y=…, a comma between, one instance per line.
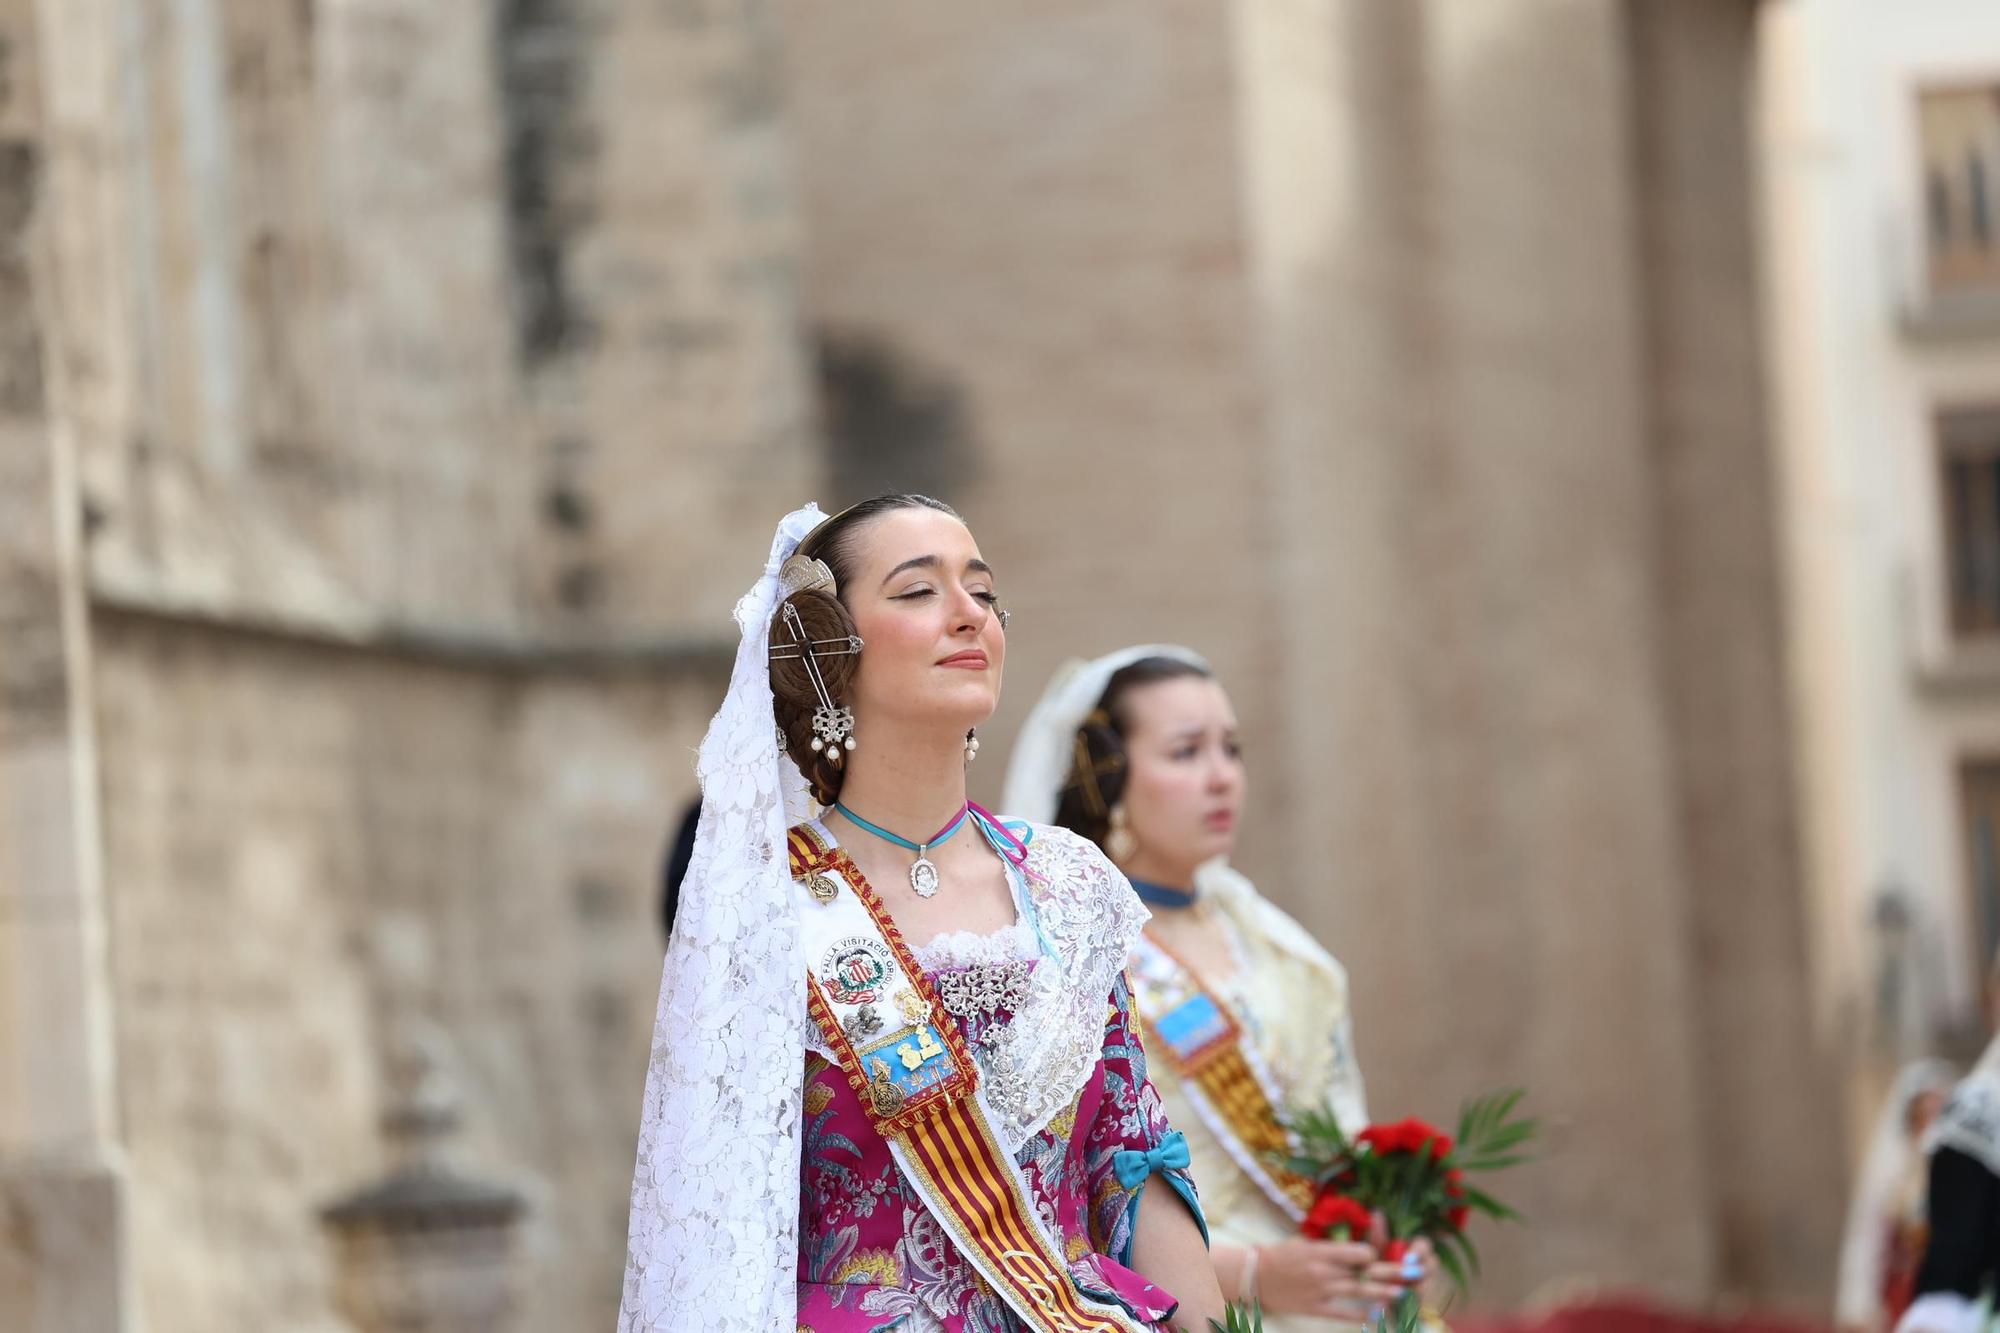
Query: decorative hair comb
x=842, y=647
x=802, y=573
x=833, y=724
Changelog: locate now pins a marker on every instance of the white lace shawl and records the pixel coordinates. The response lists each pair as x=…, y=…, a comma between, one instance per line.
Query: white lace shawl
x=713, y=1240
x=1077, y=901
x=1090, y=917
x=1297, y=994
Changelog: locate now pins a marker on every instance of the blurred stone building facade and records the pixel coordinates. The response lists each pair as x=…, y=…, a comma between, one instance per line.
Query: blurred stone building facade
x=395, y=395
x=400, y=377
x=1884, y=233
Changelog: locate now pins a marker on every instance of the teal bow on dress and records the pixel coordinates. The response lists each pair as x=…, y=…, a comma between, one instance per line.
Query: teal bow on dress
x=1133, y=1167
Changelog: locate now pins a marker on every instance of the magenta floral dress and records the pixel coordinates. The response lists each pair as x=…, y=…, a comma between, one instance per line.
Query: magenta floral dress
x=1065, y=1080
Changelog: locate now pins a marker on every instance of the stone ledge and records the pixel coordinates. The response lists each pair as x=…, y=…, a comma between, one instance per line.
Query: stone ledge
x=468, y=647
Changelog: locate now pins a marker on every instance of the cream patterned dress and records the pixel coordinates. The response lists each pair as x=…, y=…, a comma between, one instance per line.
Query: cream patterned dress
x=1291, y=996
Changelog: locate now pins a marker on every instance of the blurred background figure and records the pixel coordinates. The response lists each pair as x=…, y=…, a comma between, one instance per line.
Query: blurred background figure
x=1139, y=752
x=1887, y=1222
x=1955, y=1282
x=1570, y=424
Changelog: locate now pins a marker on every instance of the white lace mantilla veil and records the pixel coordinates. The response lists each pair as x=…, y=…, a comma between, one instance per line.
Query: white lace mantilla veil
x=1046, y=746
x=713, y=1239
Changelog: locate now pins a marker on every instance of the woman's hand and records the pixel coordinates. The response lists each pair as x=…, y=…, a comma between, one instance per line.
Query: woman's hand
x=1329, y=1278
x=1422, y=1258
x=1415, y=1271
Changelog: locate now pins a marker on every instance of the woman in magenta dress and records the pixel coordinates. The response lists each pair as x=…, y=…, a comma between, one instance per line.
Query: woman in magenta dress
x=895, y=1083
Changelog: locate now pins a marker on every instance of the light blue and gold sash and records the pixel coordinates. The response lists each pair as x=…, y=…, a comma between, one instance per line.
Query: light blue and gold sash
x=1196, y=1035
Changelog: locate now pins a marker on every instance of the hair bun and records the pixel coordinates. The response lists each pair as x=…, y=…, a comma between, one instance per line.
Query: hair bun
x=794, y=697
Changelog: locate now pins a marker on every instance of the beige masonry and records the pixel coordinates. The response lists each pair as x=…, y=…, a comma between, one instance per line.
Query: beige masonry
x=406, y=375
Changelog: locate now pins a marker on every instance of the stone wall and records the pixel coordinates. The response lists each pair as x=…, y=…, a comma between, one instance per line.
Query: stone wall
x=1034, y=215
x=414, y=365
x=307, y=841
x=1723, y=658
x=411, y=303
x=62, y=1190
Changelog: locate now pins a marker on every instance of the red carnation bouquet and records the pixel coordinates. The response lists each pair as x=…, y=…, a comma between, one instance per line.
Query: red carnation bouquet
x=1413, y=1176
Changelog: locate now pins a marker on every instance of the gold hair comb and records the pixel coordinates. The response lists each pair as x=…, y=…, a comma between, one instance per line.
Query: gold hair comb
x=803, y=574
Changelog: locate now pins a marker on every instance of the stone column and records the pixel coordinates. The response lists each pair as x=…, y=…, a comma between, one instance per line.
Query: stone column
x=61, y=1195
x=1774, y=1176
x=1476, y=739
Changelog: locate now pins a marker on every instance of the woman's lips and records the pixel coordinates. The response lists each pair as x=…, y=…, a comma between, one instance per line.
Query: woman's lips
x=965, y=661
x=1221, y=820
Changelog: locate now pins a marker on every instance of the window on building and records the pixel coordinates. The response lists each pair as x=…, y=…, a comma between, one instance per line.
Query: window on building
x=1979, y=780
x=1969, y=445
x=1961, y=155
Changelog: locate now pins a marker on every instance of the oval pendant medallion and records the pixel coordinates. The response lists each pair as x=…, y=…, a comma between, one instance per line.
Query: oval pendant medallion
x=924, y=878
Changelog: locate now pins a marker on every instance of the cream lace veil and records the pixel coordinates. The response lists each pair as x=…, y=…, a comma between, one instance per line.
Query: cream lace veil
x=1045, y=748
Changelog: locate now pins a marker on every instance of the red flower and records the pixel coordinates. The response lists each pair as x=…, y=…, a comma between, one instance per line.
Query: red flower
x=1459, y=1216
x=1385, y=1139
x=1332, y=1211
x=1454, y=1184
x=1380, y=1139
x=1410, y=1135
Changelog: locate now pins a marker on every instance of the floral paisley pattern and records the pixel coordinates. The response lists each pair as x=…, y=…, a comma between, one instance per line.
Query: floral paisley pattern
x=872, y=1259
